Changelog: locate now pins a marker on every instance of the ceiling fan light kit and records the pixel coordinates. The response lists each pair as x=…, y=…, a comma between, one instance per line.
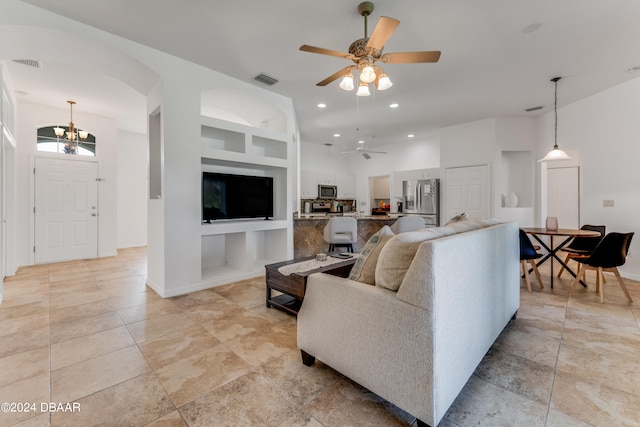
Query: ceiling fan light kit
x=556, y=153
x=366, y=52
x=363, y=89
x=347, y=82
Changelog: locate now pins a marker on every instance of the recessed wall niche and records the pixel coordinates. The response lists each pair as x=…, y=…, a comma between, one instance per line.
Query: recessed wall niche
x=516, y=179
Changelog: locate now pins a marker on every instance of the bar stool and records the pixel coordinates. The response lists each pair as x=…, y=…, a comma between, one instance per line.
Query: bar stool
x=341, y=232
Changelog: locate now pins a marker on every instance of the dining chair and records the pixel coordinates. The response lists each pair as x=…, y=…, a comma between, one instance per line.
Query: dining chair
x=581, y=247
x=529, y=253
x=610, y=253
x=407, y=223
x=341, y=231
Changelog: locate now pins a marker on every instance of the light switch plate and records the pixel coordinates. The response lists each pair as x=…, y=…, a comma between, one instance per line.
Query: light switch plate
x=607, y=203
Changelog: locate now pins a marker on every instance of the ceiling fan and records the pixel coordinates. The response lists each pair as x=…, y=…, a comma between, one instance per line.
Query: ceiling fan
x=364, y=151
x=367, y=51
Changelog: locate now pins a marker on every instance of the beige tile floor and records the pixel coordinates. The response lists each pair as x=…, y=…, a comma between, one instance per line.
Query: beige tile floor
x=91, y=333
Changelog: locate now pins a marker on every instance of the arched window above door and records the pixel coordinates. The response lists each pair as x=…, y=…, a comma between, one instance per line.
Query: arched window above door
x=48, y=141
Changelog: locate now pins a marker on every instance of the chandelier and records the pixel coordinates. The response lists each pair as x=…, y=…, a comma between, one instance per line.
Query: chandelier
x=71, y=137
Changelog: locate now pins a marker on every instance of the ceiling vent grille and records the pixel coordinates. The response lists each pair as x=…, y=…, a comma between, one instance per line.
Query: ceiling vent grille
x=264, y=79
x=29, y=62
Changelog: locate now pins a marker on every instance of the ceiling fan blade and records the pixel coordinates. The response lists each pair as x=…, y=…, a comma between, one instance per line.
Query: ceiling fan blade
x=323, y=51
x=374, y=152
x=366, y=156
x=410, y=57
x=381, y=33
x=334, y=76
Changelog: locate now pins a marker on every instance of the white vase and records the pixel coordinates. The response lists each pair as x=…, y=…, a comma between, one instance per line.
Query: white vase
x=511, y=200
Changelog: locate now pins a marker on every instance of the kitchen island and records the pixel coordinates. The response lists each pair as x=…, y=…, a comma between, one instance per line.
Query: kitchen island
x=308, y=232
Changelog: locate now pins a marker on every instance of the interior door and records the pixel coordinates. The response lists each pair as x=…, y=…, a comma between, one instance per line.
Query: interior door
x=563, y=196
x=66, y=210
x=467, y=190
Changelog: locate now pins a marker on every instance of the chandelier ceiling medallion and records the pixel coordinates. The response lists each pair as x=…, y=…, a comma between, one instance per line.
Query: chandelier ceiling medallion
x=366, y=52
x=70, y=137
x=556, y=153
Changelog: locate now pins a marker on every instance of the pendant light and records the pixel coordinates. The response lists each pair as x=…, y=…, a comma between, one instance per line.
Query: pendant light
x=556, y=153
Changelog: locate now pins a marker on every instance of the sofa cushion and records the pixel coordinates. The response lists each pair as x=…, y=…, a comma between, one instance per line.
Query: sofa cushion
x=397, y=254
x=365, y=267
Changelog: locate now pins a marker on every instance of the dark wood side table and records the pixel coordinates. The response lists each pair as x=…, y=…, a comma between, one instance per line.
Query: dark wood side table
x=294, y=285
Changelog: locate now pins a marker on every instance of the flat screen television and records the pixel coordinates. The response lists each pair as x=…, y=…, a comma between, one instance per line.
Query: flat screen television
x=228, y=196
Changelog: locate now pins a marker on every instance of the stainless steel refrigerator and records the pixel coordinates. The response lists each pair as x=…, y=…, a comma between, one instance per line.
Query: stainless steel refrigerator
x=422, y=197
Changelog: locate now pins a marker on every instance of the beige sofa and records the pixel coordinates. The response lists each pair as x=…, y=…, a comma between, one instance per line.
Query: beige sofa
x=418, y=345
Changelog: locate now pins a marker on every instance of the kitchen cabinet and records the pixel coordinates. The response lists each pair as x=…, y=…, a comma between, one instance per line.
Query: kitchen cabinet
x=399, y=176
x=347, y=186
x=326, y=178
x=309, y=181
x=308, y=184
x=381, y=189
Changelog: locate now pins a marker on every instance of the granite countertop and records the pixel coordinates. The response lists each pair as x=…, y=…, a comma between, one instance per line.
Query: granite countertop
x=320, y=217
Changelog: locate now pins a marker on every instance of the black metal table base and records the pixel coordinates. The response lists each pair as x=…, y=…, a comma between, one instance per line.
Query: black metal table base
x=551, y=252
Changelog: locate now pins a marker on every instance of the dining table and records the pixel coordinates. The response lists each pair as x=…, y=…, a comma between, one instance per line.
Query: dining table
x=568, y=234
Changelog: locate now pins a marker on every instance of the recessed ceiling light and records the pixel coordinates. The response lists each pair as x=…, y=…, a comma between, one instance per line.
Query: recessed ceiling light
x=394, y=105
x=321, y=105
x=336, y=135
x=531, y=28
x=361, y=141
x=410, y=135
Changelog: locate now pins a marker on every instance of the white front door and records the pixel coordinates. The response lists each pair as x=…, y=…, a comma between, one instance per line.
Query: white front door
x=467, y=190
x=563, y=196
x=66, y=210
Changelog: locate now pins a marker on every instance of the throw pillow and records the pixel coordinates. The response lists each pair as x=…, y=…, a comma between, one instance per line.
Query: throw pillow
x=396, y=256
x=460, y=217
x=364, y=268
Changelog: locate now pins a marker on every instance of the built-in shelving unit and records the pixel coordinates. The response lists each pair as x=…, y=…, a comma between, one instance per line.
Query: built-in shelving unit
x=237, y=249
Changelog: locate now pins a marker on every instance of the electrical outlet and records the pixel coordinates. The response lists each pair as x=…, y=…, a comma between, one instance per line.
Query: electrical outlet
x=607, y=203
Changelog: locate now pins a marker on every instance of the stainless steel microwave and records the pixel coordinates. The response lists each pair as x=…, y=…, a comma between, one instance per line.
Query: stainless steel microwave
x=327, y=191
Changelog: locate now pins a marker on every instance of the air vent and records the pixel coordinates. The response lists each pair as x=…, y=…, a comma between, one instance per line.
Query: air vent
x=539, y=107
x=264, y=79
x=29, y=62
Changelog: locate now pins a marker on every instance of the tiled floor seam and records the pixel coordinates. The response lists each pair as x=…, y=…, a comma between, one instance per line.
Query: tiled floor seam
x=555, y=366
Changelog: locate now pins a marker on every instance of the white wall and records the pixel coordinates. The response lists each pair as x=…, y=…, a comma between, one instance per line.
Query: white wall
x=315, y=157
x=132, y=189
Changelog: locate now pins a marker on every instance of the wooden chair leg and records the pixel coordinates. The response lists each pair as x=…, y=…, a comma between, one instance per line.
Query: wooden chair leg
x=599, y=274
x=537, y=273
x=566, y=260
x=579, y=275
x=523, y=264
x=622, y=285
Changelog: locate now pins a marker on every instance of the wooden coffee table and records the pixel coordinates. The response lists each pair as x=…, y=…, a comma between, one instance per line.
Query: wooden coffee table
x=293, y=286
